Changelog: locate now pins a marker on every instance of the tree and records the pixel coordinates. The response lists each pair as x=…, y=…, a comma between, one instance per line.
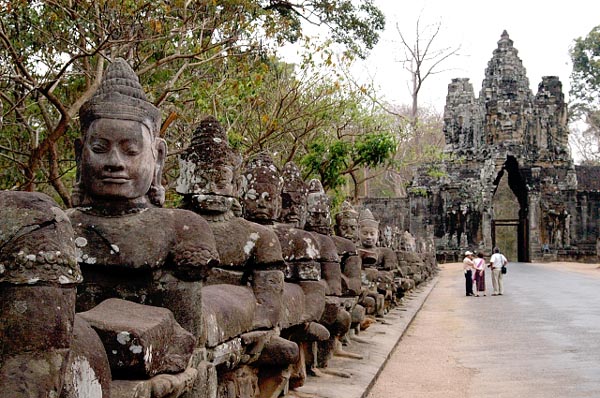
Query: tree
x=420, y=144
x=53, y=53
x=585, y=95
x=422, y=60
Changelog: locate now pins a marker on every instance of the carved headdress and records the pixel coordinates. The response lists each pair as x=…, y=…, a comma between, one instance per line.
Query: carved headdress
x=316, y=194
x=366, y=219
x=261, y=184
x=209, y=150
x=262, y=170
x=211, y=146
x=292, y=179
x=120, y=96
x=347, y=212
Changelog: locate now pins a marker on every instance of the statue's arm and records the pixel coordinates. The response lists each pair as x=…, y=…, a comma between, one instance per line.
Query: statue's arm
x=194, y=251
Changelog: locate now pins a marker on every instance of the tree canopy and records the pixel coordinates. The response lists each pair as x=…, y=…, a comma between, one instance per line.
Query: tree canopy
x=585, y=94
x=193, y=58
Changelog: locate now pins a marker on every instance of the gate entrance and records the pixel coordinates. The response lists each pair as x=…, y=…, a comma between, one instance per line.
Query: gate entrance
x=509, y=210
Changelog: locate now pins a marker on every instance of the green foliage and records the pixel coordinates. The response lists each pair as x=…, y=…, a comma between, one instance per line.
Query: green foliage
x=193, y=58
x=328, y=160
x=585, y=95
x=436, y=172
x=585, y=78
x=331, y=159
x=418, y=191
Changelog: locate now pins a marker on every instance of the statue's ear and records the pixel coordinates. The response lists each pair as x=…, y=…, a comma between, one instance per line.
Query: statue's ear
x=156, y=194
x=77, y=194
x=161, y=154
x=78, y=144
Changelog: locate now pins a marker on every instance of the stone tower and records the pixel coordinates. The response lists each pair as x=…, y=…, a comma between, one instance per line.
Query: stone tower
x=509, y=170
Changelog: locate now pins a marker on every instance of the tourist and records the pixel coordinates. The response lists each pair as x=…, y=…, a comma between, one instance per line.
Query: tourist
x=496, y=263
x=479, y=274
x=468, y=267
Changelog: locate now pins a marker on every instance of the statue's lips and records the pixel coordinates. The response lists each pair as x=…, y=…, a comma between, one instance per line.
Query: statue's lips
x=114, y=180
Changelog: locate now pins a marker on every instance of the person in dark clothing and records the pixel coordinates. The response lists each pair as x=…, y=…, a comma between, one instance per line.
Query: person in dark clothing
x=468, y=267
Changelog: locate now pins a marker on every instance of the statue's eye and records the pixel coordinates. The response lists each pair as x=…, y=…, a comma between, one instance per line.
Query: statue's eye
x=131, y=148
x=99, y=146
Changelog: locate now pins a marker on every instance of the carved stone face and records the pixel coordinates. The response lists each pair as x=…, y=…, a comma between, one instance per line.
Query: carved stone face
x=118, y=160
x=216, y=189
x=262, y=202
x=293, y=208
x=368, y=236
x=319, y=216
x=347, y=227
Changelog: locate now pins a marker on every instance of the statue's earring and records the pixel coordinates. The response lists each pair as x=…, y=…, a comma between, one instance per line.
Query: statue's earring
x=156, y=193
x=77, y=194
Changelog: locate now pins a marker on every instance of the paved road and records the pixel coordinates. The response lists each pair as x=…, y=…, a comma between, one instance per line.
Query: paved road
x=540, y=339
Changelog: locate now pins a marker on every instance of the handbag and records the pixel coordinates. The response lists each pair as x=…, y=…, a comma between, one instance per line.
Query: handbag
x=503, y=269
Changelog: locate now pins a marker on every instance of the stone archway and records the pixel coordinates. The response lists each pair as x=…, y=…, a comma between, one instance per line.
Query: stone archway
x=510, y=212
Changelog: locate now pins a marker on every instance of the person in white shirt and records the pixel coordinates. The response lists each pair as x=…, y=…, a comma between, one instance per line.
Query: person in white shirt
x=497, y=261
x=468, y=268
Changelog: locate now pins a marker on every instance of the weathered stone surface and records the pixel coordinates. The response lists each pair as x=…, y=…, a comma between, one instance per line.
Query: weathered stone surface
x=293, y=311
x=38, y=273
x=141, y=341
x=160, y=386
x=314, y=304
x=240, y=383
x=311, y=331
x=268, y=289
x=278, y=352
x=88, y=370
x=330, y=264
x=157, y=268
x=37, y=241
x=244, y=244
x=228, y=312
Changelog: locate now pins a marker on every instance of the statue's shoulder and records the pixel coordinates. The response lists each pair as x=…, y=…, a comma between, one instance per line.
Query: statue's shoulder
x=179, y=237
x=387, y=258
x=326, y=246
x=345, y=247
x=297, y=244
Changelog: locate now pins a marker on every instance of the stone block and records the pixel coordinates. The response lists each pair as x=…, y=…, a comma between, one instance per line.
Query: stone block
x=228, y=312
x=314, y=300
x=141, y=341
x=293, y=305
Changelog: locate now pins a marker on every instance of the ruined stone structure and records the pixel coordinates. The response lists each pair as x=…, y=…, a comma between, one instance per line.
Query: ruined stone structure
x=510, y=179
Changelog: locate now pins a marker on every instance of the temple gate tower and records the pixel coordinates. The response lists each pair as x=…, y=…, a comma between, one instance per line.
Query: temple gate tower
x=509, y=178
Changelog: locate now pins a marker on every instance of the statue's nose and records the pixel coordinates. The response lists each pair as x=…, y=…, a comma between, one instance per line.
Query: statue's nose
x=115, y=160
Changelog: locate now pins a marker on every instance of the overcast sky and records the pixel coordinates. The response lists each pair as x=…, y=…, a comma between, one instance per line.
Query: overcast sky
x=542, y=33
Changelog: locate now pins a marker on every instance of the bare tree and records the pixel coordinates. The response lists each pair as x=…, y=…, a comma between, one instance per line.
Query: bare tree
x=421, y=59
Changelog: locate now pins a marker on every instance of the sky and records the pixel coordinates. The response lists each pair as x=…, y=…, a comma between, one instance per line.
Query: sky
x=542, y=32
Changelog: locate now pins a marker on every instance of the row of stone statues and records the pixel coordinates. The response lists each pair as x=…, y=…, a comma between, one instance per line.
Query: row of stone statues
x=241, y=292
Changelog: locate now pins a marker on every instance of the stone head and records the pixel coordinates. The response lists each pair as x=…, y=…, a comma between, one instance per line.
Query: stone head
x=368, y=229
x=120, y=155
x=346, y=222
x=293, y=196
x=210, y=170
x=262, y=190
x=319, y=214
